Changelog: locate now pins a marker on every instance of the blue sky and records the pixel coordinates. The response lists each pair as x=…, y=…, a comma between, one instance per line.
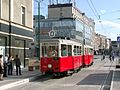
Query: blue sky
x=108, y=10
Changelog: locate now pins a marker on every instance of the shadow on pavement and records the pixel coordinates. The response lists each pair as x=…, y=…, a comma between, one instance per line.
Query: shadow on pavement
x=95, y=79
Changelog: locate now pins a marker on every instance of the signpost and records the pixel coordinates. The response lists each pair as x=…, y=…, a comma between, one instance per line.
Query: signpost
x=118, y=61
x=118, y=39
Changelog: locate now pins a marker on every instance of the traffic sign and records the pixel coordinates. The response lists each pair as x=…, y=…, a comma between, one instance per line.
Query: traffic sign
x=52, y=33
x=118, y=38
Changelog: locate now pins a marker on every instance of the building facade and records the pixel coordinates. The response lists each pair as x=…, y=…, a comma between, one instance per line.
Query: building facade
x=101, y=43
x=16, y=23
x=67, y=22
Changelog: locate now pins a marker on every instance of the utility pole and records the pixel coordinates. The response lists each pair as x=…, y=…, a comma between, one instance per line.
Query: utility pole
x=9, y=27
x=38, y=29
x=83, y=15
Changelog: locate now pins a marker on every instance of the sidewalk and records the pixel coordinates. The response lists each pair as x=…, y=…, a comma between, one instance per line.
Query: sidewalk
x=14, y=80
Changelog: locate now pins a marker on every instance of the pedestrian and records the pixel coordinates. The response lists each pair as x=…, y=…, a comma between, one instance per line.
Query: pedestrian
x=1, y=67
x=5, y=60
x=113, y=56
x=18, y=64
x=10, y=65
x=103, y=55
x=110, y=57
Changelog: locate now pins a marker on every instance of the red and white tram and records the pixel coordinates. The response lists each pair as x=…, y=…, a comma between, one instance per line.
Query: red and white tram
x=60, y=56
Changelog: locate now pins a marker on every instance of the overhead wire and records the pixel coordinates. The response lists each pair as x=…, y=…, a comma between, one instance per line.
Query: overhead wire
x=97, y=16
x=94, y=8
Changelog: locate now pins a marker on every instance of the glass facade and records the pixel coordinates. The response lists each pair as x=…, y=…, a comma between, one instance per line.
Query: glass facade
x=2, y=41
x=17, y=48
x=3, y=44
x=69, y=28
x=63, y=28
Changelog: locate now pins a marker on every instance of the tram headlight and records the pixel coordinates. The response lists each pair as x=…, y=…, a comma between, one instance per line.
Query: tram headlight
x=49, y=65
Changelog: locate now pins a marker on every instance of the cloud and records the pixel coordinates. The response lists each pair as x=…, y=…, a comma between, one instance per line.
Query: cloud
x=111, y=24
x=103, y=11
x=108, y=24
x=108, y=28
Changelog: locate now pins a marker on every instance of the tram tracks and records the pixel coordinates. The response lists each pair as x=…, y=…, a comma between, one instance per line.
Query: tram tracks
x=106, y=82
x=108, y=77
x=105, y=85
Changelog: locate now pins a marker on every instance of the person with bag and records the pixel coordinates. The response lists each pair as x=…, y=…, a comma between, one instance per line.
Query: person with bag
x=10, y=65
x=18, y=64
x=1, y=68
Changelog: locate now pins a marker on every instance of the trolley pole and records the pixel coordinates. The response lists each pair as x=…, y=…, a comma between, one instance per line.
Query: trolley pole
x=39, y=30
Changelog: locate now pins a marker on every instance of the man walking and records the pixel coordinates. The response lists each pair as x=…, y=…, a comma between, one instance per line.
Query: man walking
x=113, y=56
x=18, y=64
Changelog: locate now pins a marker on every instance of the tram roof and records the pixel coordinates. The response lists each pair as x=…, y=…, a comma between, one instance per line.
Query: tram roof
x=62, y=41
x=88, y=46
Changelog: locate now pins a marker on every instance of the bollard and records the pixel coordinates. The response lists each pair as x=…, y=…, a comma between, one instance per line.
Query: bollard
x=118, y=64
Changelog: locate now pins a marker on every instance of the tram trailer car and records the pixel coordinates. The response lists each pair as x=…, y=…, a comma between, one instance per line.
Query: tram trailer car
x=88, y=55
x=60, y=56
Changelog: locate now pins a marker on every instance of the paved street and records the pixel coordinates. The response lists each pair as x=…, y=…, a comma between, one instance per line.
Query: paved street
x=96, y=77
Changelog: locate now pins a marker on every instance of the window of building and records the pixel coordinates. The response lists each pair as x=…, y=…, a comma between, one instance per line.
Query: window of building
x=23, y=15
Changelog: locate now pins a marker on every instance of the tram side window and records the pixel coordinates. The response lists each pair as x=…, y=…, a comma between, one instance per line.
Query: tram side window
x=69, y=50
x=79, y=50
x=75, y=50
x=44, y=51
x=91, y=51
x=63, y=50
x=85, y=50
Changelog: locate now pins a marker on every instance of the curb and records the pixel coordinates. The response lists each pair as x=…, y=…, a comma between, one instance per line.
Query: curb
x=20, y=82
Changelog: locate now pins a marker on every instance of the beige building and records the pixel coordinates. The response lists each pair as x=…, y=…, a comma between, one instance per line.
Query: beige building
x=16, y=23
x=101, y=42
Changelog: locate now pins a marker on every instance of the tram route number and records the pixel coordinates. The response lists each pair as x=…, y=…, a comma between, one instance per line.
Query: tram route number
x=52, y=33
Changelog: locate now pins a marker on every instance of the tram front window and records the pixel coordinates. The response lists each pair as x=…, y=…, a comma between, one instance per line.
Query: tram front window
x=49, y=51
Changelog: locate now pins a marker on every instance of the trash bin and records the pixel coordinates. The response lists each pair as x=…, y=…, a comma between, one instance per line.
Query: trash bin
x=30, y=68
x=36, y=65
x=31, y=65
